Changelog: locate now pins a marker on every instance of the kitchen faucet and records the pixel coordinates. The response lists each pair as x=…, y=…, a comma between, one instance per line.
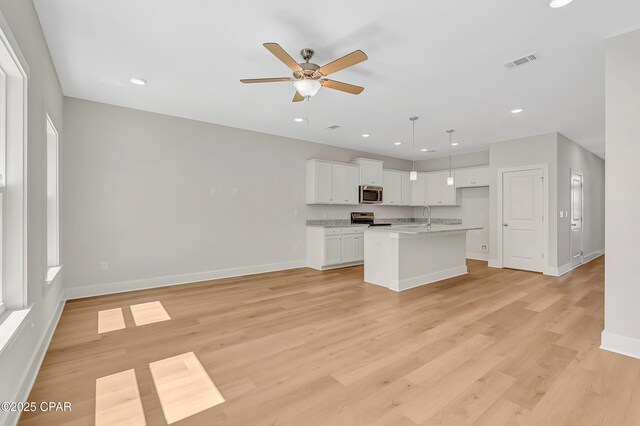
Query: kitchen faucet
x=429, y=218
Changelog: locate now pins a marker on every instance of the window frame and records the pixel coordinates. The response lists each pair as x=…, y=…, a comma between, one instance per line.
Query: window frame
x=53, y=265
x=3, y=189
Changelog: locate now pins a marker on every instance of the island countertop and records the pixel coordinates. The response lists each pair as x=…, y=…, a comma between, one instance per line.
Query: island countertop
x=421, y=229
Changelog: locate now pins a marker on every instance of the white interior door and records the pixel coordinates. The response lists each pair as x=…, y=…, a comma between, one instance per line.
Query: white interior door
x=523, y=220
x=576, y=220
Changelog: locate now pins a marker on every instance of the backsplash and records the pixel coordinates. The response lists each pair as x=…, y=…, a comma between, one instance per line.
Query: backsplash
x=347, y=222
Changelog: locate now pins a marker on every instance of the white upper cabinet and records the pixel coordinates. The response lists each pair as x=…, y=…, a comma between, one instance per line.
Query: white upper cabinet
x=419, y=190
x=392, y=188
x=481, y=176
x=345, y=184
x=370, y=171
x=438, y=192
x=467, y=178
x=331, y=183
x=405, y=185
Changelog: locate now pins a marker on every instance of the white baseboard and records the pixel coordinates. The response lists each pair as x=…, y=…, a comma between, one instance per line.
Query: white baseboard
x=620, y=344
x=559, y=271
x=478, y=256
x=146, y=283
x=493, y=263
x=596, y=254
x=409, y=283
x=33, y=368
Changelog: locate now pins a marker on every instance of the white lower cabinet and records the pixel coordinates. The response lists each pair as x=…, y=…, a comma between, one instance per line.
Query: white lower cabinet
x=334, y=247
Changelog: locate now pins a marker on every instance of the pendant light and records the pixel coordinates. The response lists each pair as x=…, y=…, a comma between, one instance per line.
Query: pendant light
x=450, y=178
x=413, y=175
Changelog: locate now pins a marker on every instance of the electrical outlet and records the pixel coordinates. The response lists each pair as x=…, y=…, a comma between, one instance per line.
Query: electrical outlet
x=295, y=212
x=236, y=191
x=214, y=191
x=104, y=265
x=561, y=213
x=484, y=247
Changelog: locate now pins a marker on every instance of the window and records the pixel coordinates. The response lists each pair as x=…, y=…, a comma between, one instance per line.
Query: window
x=53, y=222
x=3, y=103
x=13, y=146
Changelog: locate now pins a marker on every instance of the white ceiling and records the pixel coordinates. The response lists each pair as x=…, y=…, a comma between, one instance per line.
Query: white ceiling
x=439, y=60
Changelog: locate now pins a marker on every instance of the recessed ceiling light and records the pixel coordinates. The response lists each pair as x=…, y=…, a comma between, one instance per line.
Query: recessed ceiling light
x=424, y=150
x=365, y=135
x=138, y=81
x=517, y=110
x=454, y=144
x=298, y=120
x=555, y=4
x=397, y=143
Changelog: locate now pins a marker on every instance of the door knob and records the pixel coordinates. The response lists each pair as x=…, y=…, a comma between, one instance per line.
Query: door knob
x=505, y=224
x=573, y=224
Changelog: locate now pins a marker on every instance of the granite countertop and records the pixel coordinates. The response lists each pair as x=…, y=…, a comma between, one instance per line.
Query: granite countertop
x=422, y=229
x=346, y=223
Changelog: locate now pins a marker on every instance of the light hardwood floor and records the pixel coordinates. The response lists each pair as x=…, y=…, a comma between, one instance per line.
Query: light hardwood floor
x=301, y=347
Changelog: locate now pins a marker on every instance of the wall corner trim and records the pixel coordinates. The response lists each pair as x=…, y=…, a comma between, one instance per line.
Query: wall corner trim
x=620, y=344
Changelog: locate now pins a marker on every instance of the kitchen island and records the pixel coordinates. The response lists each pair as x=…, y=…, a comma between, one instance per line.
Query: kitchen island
x=408, y=256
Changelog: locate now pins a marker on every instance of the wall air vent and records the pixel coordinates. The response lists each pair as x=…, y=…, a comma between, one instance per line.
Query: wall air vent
x=333, y=127
x=521, y=61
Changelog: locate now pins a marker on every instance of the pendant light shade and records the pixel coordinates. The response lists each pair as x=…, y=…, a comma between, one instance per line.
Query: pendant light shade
x=450, y=178
x=413, y=175
x=307, y=87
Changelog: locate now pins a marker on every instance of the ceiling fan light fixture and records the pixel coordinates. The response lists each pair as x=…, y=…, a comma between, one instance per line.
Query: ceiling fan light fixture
x=556, y=4
x=307, y=87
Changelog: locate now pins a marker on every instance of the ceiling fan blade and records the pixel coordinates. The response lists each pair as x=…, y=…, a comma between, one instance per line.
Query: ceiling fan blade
x=265, y=80
x=343, y=87
x=346, y=61
x=281, y=54
x=297, y=97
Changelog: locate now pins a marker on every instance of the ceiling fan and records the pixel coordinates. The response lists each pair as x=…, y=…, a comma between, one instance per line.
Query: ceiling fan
x=308, y=77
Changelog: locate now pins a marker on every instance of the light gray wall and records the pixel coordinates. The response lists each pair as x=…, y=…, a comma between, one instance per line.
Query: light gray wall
x=471, y=159
x=533, y=150
x=622, y=288
x=138, y=195
x=572, y=156
x=44, y=96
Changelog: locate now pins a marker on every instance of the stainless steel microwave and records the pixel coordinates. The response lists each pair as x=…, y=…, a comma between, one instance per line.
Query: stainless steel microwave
x=370, y=194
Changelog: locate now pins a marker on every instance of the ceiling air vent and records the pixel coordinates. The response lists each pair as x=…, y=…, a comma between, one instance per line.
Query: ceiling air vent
x=521, y=61
x=333, y=127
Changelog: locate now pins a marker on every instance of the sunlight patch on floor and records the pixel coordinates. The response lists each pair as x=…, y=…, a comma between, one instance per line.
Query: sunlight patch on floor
x=184, y=387
x=118, y=400
x=110, y=320
x=149, y=313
